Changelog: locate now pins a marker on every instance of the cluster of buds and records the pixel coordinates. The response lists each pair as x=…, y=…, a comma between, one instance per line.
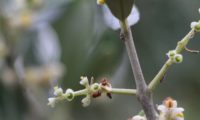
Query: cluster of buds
x=169, y=110
x=92, y=90
x=174, y=56
x=60, y=95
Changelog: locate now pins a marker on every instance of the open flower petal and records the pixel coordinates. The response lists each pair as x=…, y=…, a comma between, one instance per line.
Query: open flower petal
x=113, y=22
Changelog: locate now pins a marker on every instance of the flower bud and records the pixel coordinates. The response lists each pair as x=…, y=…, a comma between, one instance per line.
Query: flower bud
x=58, y=91
x=69, y=94
x=84, y=81
x=178, y=58
x=171, y=54
x=52, y=102
x=95, y=87
x=195, y=25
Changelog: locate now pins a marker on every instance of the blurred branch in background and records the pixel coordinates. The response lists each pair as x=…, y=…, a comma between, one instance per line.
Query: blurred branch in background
x=25, y=26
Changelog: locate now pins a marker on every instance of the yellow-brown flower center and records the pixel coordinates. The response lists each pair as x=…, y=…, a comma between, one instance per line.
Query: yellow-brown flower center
x=169, y=102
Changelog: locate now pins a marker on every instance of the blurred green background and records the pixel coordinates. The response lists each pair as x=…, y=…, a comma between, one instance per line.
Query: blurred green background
x=90, y=48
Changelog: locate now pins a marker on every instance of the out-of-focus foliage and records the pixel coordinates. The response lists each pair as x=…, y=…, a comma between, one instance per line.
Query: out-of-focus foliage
x=66, y=39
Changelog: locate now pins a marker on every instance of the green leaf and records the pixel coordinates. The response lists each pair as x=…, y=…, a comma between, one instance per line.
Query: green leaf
x=121, y=9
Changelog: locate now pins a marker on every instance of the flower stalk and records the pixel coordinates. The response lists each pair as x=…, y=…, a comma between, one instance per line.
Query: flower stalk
x=181, y=45
x=123, y=91
x=143, y=93
x=91, y=90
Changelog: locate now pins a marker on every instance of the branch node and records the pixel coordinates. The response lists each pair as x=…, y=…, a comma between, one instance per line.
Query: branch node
x=123, y=36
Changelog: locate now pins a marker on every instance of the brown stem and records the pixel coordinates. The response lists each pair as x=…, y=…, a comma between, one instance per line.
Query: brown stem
x=143, y=93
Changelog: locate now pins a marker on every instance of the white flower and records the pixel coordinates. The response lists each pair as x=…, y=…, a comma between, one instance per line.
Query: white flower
x=169, y=110
x=138, y=117
x=171, y=53
x=113, y=22
x=84, y=81
x=52, y=102
x=193, y=24
x=86, y=101
x=178, y=58
x=58, y=91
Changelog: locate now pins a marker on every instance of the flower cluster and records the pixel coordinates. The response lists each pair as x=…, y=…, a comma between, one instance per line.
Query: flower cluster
x=95, y=90
x=169, y=110
x=174, y=56
x=60, y=95
x=92, y=90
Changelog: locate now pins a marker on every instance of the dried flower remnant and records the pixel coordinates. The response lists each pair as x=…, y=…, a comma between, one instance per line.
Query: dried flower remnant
x=107, y=86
